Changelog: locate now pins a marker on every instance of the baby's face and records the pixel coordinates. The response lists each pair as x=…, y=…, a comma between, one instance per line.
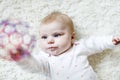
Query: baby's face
x=55, y=38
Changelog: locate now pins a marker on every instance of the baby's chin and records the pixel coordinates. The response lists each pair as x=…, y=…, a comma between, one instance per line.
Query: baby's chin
x=54, y=53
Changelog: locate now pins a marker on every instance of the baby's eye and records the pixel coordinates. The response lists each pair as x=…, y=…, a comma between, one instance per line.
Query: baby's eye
x=44, y=37
x=57, y=35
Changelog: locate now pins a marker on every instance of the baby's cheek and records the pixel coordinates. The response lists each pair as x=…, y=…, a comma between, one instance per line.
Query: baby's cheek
x=67, y=43
x=42, y=45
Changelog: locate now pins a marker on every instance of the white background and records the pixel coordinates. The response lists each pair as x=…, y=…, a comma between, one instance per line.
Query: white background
x=90, y=17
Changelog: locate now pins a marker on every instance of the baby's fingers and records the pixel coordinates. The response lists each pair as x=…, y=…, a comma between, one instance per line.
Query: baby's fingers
x=116, y=40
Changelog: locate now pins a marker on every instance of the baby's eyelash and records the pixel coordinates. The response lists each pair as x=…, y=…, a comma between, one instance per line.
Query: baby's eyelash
x=44, y=37
x=57, y=34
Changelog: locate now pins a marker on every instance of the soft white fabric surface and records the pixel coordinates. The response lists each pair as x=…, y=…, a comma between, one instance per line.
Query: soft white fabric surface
x=90, y=17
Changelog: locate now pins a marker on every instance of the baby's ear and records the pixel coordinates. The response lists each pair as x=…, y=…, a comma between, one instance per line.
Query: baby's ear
x=73, y=37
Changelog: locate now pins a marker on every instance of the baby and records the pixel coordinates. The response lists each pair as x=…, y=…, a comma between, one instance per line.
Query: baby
x=60, y=56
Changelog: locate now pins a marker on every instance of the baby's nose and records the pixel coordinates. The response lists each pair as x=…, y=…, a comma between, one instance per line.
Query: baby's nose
x=50, y=41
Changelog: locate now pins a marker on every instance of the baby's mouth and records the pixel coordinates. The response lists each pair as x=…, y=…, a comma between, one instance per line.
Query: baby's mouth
x=52, y=48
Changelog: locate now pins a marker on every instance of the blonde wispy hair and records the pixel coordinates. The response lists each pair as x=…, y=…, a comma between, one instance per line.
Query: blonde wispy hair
x=60, y=17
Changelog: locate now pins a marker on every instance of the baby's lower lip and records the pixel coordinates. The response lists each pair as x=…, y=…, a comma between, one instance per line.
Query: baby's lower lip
x=52, y=48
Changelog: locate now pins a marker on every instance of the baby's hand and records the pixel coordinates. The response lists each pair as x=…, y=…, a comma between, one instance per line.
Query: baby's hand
x=19, y=53
x=116, y=40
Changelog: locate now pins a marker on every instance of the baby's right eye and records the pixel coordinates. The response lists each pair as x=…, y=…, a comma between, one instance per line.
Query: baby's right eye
x=44, y=37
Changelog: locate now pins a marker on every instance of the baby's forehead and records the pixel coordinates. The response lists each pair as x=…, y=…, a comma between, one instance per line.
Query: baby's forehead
x=54, y=26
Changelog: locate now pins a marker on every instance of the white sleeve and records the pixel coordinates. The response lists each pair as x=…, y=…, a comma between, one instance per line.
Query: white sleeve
x=35, y=63
x=92, y=45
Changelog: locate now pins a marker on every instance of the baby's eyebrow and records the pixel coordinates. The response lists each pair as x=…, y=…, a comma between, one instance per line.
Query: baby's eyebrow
x=43, y=34
x=58, y=33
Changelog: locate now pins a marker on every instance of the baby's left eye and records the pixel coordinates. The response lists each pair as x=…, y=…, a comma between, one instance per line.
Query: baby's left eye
x=57, y=35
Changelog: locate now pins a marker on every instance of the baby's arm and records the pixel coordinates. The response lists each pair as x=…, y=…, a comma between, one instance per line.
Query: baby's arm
x=27, y=62
x=96, y=44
